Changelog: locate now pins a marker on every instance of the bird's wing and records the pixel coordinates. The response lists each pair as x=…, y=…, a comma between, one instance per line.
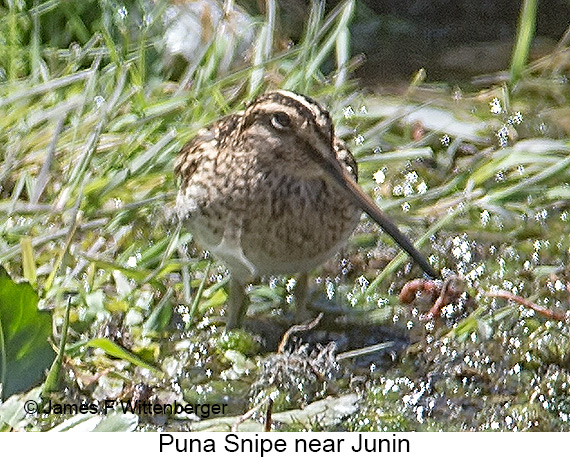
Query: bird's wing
x=207, y=141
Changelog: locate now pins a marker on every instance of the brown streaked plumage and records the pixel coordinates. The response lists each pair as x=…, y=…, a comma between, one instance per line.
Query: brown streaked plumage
x=271, y=190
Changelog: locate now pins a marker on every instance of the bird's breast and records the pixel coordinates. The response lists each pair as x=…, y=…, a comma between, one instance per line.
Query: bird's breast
x=267, y=223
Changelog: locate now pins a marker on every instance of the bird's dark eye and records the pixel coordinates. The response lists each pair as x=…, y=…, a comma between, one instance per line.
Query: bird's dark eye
x=281, y=120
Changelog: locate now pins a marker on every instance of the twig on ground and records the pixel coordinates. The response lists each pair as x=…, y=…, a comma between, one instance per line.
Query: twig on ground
x=297, y=328
x=546, y=312
x=247, y=415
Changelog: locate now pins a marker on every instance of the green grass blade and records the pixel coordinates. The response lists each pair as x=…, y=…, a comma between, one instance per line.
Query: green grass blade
x=525, y=34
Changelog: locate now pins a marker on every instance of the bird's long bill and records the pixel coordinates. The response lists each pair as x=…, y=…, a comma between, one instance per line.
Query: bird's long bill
x=365, y=202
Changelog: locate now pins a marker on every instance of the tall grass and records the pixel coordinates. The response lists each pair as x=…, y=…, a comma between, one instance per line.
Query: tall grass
x=525, y=34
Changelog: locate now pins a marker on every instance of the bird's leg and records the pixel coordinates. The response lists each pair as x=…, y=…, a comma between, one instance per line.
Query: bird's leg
x=237, y=304
x=300, y=292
